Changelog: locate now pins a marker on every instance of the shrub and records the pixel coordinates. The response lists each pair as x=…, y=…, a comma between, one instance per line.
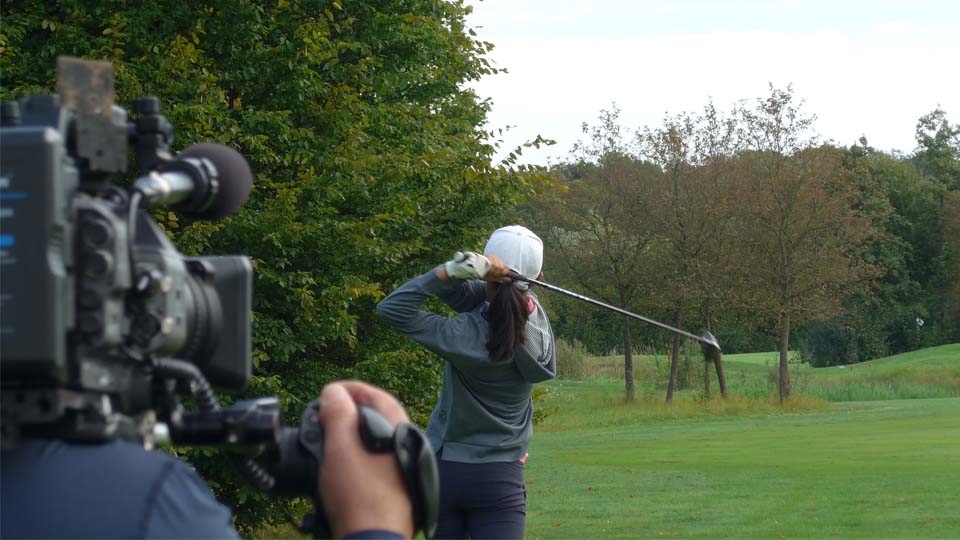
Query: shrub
x=413, y=376
x=540, y=413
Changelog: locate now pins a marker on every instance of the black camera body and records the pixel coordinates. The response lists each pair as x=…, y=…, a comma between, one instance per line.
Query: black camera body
x=91, y=289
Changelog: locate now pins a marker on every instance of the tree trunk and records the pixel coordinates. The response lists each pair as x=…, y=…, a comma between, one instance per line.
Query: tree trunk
x=717, y=359
x=627, y=359
x=674, y=358
x=784, y=379
x=718, y=363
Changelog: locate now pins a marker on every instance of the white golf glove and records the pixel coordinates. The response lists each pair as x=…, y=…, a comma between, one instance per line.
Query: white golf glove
x=467, y=265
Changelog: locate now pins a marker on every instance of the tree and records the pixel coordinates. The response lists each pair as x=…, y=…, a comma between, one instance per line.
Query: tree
x=689, y=208
x=952, y=262
x=938, y=159
x=882, y=320
x=938, y=149
x=597, y=229
x=802, y=232
x=368, y=149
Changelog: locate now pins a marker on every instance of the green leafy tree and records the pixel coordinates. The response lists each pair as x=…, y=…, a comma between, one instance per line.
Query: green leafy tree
x=882, y=320
x=368, y=149
x=938, y=159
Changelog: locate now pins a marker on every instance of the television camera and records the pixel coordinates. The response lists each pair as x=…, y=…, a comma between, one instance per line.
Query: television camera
x=104, y=324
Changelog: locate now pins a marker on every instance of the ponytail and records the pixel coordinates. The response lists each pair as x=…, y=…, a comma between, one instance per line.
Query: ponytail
x=508, y=321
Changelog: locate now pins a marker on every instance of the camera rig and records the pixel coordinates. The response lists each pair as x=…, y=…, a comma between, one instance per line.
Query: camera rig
x=104, y=324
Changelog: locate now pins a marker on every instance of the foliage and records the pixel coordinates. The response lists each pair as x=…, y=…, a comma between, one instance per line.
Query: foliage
x=739, y=218
x=830, y=342
x=595, y=229
x=367, y=145
x=689, y=207
x=541, y=412
x=914, y=302
x=804, y=229
x=412, y=375
x=751, y=224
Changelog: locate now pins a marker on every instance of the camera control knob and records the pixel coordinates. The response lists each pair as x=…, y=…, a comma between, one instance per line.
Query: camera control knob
x=98, y=264
x=96, y=233
x=375, y=431
x=149, y=282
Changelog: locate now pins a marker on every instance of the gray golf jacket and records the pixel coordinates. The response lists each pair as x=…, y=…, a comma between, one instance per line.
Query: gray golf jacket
x=485, y=411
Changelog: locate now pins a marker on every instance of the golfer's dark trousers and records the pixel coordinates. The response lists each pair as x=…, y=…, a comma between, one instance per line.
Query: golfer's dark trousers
x=483, y=501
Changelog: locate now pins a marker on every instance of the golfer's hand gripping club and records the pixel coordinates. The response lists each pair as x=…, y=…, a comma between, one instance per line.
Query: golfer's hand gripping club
x=467, y=265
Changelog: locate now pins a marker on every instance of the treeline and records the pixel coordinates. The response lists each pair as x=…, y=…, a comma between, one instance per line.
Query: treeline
x=747, y=224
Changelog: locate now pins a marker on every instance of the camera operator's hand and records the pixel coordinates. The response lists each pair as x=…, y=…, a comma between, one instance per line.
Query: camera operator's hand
x=361, y=490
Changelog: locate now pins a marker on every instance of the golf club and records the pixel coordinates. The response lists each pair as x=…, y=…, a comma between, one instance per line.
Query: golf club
x=710, y=344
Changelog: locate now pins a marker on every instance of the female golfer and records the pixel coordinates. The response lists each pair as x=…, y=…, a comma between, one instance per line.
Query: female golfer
x=495, y=349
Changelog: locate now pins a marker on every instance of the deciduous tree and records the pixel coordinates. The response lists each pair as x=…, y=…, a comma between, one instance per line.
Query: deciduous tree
x=802, y=231
x=689, y=209
x=597, y=227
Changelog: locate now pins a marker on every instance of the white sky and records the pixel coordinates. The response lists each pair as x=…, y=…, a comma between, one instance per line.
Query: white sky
x=864, y=67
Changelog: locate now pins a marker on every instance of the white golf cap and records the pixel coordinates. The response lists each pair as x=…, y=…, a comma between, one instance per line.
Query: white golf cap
x=519, y=248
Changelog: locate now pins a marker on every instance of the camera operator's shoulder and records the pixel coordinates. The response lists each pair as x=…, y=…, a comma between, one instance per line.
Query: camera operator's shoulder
x=182, y=505
x=107, y=490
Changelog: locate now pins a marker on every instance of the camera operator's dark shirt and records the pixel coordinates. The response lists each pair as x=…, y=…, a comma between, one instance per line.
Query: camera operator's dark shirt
x=55, y=489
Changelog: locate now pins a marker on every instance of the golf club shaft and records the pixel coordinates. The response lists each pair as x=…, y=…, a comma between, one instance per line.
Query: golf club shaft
x=701, y=339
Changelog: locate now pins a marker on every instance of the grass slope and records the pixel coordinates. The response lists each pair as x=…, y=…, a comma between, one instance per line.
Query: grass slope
x=865, y=470
x=601, y=467
x=926, y=373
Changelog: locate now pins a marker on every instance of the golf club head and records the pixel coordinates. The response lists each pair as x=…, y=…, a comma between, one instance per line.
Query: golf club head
x=711, y=347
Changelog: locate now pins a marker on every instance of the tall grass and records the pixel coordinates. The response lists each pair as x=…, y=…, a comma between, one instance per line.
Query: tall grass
x=598, y=403
x=932, y=373
x=572, y=360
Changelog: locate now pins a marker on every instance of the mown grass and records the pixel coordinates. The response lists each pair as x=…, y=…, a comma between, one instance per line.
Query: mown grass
x=605, y=468
x=748, y=467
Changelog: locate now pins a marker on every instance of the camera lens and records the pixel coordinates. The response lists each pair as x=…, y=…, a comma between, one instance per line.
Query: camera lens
x=204, y=317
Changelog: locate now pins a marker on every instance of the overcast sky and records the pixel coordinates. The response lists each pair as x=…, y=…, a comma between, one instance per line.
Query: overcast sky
x=864, y=67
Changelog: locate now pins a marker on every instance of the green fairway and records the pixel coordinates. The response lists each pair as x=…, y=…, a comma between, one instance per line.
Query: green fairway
x=747, y=467
x=858, y=470
x=761, y=358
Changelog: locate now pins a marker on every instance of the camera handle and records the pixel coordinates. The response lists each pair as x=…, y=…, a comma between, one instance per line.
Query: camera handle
x=411, y=448
x=297, y=453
